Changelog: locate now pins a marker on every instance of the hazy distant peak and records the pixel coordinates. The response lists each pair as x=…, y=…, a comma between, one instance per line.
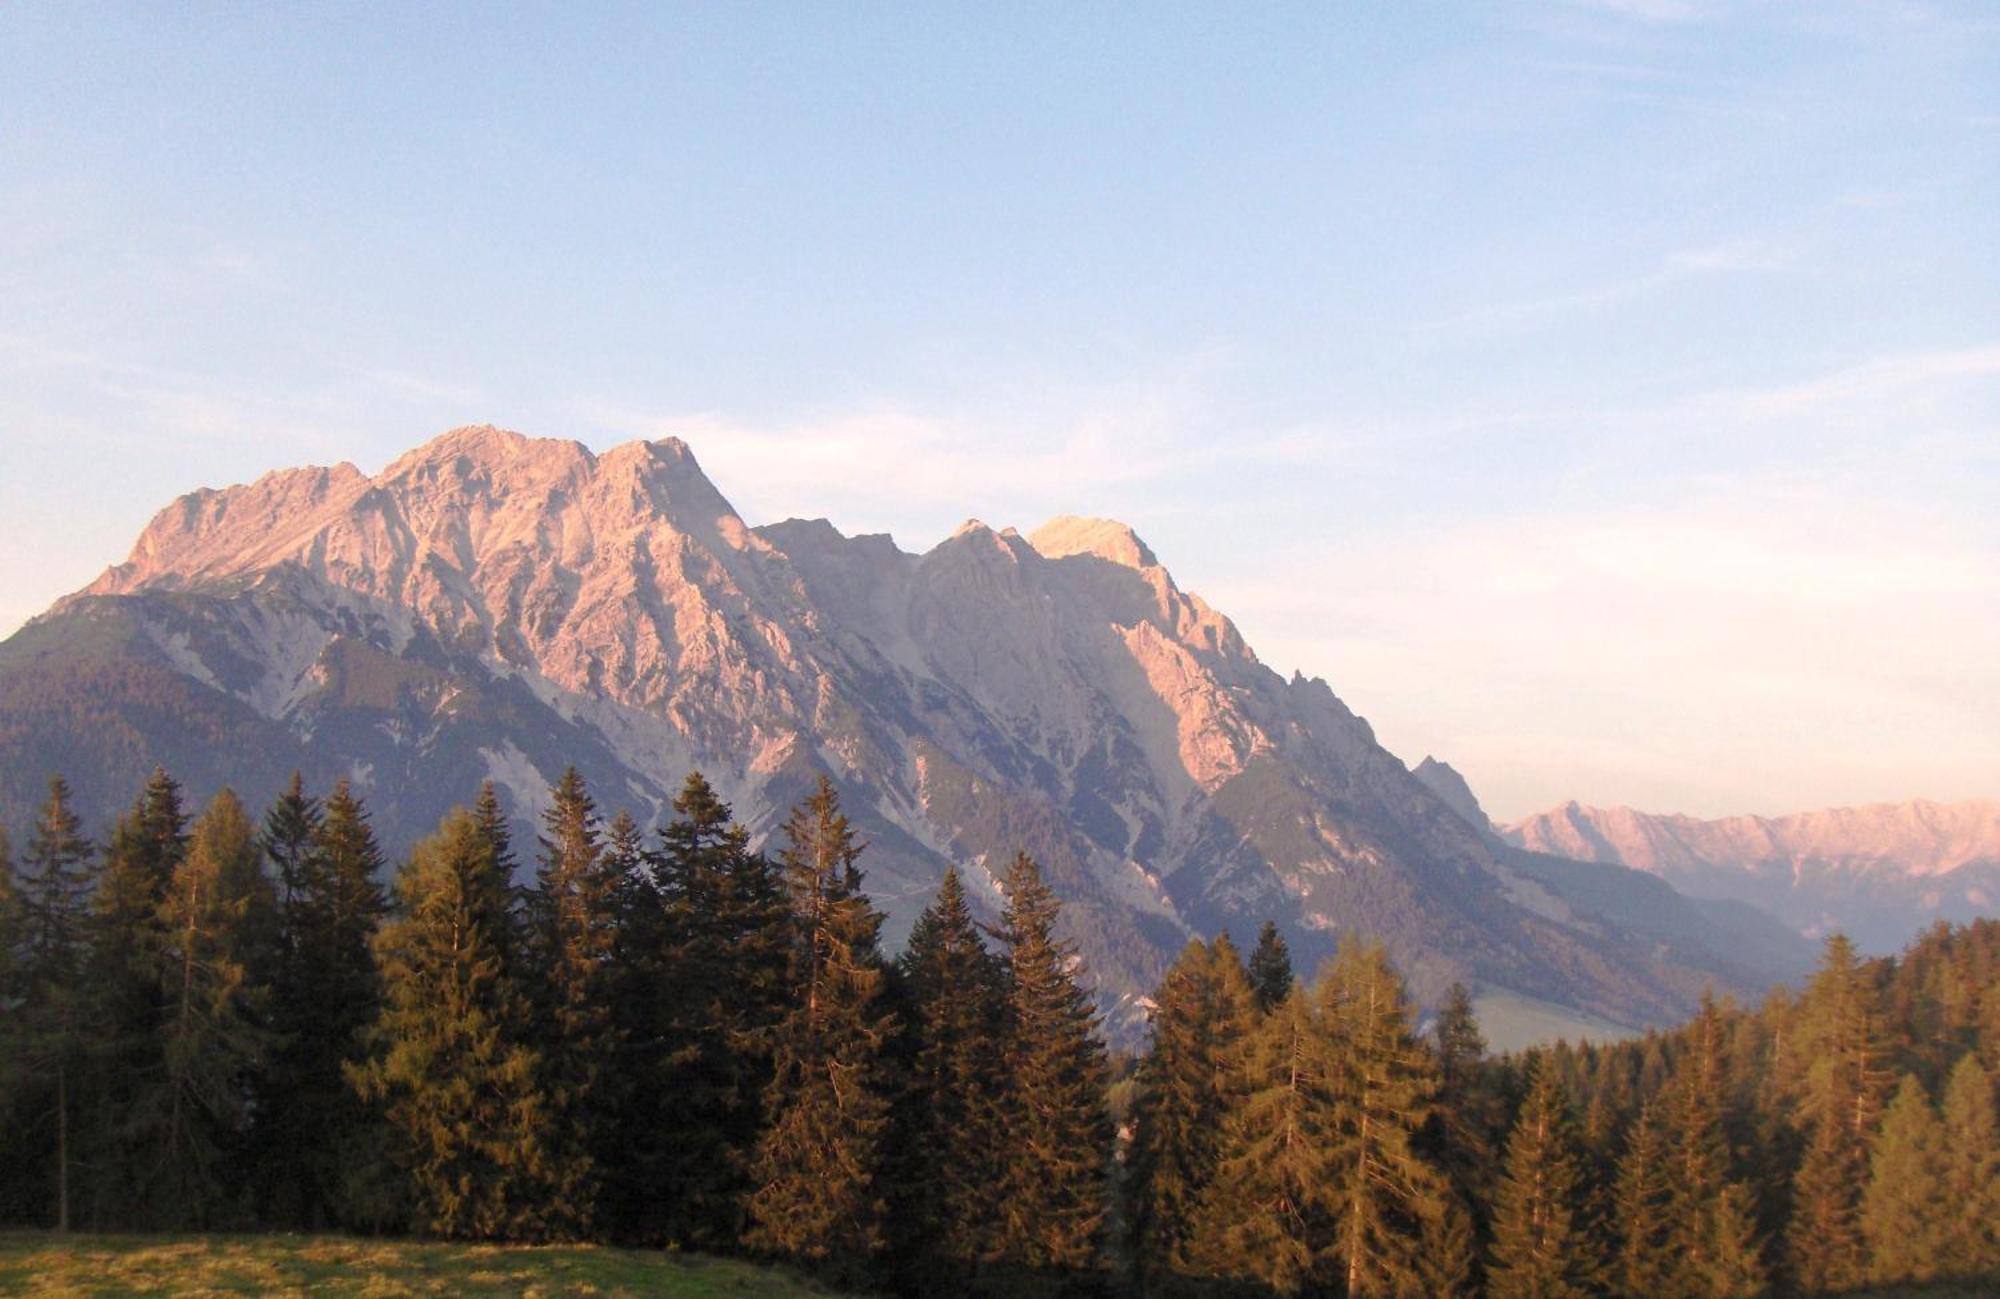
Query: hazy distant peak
x=1442, y=779
x=1071, y=534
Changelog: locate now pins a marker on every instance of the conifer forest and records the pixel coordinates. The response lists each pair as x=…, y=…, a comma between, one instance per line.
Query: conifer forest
x=231, y=1019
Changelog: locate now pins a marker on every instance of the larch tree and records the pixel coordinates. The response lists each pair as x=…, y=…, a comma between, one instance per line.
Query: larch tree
x=572, y=930
x=1385, y=1196
x=1054, y=1176
x=1270, y=969
x=955, y=990
x=817, y=1175
x=1265, y=1214
x=1904, y=1213
x=1189, y=1084
x=451, y=1068
x=1543, y=1246
x=1971, y=1171
x=1844, y=1085
x=213, y=1023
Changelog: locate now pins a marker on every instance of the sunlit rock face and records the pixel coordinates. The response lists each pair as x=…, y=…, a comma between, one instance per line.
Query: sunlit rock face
x=497, y=606
x=1880, y=873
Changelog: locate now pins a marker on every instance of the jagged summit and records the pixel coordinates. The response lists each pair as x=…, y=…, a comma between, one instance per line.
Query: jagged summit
x=496, y=606
x=1070, y=534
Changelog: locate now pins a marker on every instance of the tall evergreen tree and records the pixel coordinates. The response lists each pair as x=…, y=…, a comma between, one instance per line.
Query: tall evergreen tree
x=1189, y=1084
x=1267, y=1213
x=1465, y=1129
x=1971, y=1172
x=1904, y=1213
x=1644, y=1263
x=1543, y=1247
x=1707, y=1227
x=53, y=1033
x=955, y=992
x=213, y=1034
x=716, y=988
x=818, y=1194
x=1054, y=1172
x=1843, y=1102
x=452, y=1071
x=572, y=929
x=1270, y=969
x=1386, y=1197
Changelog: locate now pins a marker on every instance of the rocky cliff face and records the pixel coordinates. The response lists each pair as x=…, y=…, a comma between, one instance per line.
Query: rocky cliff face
x=491, y=605
x=1882, y=873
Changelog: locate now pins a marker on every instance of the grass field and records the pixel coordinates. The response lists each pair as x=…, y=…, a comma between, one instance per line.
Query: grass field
x=38, y=1263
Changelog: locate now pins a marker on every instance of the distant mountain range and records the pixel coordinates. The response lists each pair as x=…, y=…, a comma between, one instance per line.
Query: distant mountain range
x=491, y=605
x=1880, y=873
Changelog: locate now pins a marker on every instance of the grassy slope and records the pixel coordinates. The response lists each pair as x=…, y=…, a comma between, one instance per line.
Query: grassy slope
x=38, y=1263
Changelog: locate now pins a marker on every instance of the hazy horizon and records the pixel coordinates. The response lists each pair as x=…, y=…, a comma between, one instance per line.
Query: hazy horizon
x=1603, y=397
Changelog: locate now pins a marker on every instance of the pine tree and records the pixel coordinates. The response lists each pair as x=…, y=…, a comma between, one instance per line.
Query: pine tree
x=1971, y=1172
x=1904, y=1213
x=1058, y=1134
x=212, y=1030
x=1189, y=1084
x=452, y=1071
x=713, y=993
x=1843, y=1100
x=1266, y=1214
x=572, y=930
x=55, y=881
x=955, y=990
x=1270, y=969
x=1448, y=1264
x=1467, y=1122
x=1705, y=1206
x=1542, y=1244
x=818, y=1195
x=1641, y=1205
x=1384, y=1194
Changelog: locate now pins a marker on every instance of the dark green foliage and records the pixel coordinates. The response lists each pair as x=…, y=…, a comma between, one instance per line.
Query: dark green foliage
x=1543, y=1243
x=817, y=1195
x=1058, y=1135
x=571, y=935
x=1270, y=969
x=1644, y=1261
x=955, y=990
x=715, y=990
x=1904, y=1212
x=451, y=1067
x=1190, y=1085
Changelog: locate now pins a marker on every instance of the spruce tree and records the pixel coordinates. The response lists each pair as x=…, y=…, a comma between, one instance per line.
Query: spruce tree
x=1642, y=1201
x=715, y=990
x=1706, y=1239
x=1843, y=1100
x=1270, y=969
x=1267, y=1213
x=1189, y=1084
x=1468, y=1115
x=1542, y=1244
x=1384, y=1194
x=1904, y=1212
x=456, y=1079
x=818, y=1195
x=572, y=931
x=1971, y=1172
x=213, y=1032
x=54, y=1029
x=1058, y=1133
x=955, y=991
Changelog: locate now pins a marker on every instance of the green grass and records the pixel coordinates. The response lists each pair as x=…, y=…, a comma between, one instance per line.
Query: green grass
x=40, y=1263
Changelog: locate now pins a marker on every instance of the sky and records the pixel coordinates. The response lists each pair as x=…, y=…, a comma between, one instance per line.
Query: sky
x=1603, y=397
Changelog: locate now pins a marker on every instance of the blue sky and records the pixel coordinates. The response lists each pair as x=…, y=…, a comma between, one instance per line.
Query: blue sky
x=1603, y=396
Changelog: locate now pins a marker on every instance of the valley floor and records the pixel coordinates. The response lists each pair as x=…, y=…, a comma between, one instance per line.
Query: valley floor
x=43, y=1264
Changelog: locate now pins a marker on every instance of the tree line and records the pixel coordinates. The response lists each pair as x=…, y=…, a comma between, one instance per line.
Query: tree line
x=670, y=1039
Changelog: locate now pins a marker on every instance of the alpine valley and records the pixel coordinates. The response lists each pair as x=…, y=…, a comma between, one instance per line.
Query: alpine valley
x=495, y=606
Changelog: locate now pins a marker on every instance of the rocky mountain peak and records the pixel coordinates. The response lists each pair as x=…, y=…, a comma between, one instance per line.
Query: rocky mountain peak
x=1444, y=780
x=1070, y=534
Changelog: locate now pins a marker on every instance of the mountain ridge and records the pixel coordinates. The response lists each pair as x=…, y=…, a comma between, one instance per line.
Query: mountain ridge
x=491, y=605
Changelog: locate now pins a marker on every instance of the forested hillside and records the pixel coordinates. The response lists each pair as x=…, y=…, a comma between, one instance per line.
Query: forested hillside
x=224, y=1021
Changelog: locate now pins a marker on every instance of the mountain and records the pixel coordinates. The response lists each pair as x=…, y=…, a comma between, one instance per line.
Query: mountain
x=491, y=605
x=1881, y=873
